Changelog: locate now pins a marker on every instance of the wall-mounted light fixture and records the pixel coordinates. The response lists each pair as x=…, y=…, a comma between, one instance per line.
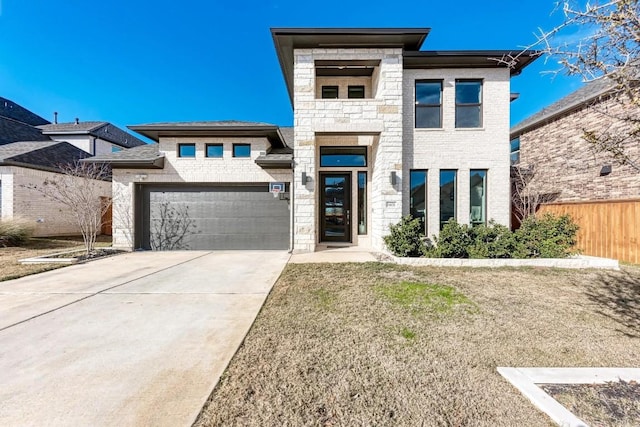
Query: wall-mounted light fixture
x=393, y=178
x=605, y=170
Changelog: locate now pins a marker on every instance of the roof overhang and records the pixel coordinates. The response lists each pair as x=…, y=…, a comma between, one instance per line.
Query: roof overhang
x=156, y=131
x=515, y=60
x=288, y=39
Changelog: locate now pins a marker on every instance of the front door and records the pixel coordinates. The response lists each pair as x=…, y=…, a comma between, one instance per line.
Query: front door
x=335, y=207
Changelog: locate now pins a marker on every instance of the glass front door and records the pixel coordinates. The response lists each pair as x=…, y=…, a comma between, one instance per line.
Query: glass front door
x=335, y=207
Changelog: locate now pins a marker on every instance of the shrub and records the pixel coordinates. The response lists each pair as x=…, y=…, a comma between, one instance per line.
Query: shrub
x=453, y=242
x=492, y=241
x=406, y=238
x=547, y=236
x=14, y=232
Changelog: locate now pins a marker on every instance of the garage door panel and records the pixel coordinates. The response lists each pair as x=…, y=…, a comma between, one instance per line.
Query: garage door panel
x=234, y=217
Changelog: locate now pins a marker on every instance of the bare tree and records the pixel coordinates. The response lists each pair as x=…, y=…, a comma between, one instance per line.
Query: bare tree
x=600, y=40
x=530, y=188
x=77, y=188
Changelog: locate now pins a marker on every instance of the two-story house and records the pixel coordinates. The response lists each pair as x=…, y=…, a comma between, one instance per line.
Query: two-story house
x=381, y=129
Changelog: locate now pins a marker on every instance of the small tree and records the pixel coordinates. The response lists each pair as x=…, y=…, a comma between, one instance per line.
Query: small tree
x=77, y=188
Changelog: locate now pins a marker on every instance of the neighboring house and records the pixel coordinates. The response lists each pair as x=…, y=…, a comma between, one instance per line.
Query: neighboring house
x=381, y=130
x=32, y=152
x=602, y=195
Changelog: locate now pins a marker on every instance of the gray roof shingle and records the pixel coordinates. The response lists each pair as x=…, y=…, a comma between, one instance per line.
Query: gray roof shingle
x=13, y=131
x=587, y=93
x=16, y=112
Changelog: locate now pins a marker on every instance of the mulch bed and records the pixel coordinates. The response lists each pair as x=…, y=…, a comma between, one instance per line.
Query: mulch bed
x=615, y=403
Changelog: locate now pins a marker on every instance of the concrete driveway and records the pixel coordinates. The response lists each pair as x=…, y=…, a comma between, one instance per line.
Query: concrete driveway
x=136, y=339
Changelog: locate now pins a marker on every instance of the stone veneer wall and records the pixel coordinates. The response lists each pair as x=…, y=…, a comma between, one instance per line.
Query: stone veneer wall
x=460, y=149
x=49, y=218
x=569, y=165
x=381, y=116
x=188, y=170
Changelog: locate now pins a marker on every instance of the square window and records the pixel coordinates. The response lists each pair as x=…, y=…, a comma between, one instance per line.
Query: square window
x=186, y=150
x=355, y=92
x=329, y=92
x=214, y=150
x=241, y=150
x=468, y=103
x=429, y=104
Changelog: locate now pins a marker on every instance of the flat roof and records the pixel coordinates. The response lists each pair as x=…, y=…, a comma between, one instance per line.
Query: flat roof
x=288, y=39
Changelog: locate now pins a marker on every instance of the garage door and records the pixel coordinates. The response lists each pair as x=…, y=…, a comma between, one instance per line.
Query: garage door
x=214, y=217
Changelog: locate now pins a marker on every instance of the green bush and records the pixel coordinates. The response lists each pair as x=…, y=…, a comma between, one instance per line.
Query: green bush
x=14, y=232
x=547, y=236
x=406, y=239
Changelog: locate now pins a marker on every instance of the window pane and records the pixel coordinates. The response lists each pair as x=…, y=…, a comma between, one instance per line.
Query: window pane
x=343, y=156
x=418, y=196
x=241, y=150
x=356, y=92
x=468, y=117
x=214, y=150
x=478, y=197
x=186, y=150
x=362, y=203
x=428, y=117
x=329, y=92
x=428, y=93
x=447, y=196
x=468, y=92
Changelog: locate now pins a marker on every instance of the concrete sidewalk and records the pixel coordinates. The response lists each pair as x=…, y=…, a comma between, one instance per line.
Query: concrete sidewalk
x=137, y=339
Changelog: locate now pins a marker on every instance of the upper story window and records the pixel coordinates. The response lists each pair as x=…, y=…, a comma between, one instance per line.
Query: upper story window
x=329, y=92
x=429, y=104
x=343, y=156
x=468, y=103
x=241, y=150
x=186, y=150
x=355, y=92
x=214, y=150
x=515, y=151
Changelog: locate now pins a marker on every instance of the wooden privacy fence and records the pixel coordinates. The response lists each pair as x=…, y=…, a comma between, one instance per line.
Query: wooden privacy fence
x=608, y=228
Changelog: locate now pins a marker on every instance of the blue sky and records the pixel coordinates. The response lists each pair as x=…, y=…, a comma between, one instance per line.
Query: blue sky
x=132, y=61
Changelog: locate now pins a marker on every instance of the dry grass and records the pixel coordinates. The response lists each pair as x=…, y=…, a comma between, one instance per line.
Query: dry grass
x=10, y=268
x=366, y=344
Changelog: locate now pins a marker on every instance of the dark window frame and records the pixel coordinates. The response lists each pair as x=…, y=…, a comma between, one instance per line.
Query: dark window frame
x=354, y=150
x=238, y=146
x=424, y=218
x=184, y=145
x=418, y=105
x=330, y=87
x=206, y=151
x=358, y=87
x=471, y=104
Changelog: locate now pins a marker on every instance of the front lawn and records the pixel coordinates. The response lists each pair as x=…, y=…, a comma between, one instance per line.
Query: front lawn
x=381, y=344
x=10, y=267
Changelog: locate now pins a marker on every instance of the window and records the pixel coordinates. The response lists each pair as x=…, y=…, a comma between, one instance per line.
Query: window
x=214, y=150
x=429, y=104
x=362, y=203
x=329, y=92
x=447, y=196
x=241, y=150
x=418, y=196
x=478, y=197
x=515, y=151
x=355, y=92
x=468, y=103
x=186, y=150
x=343, y=156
